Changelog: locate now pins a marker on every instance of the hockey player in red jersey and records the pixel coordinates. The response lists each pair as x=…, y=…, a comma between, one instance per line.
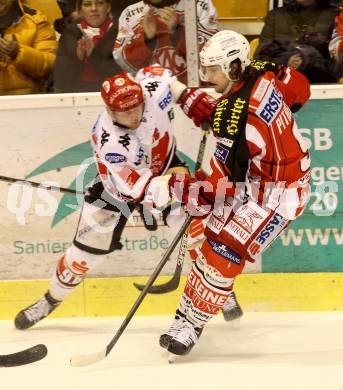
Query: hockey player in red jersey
x=260, y=174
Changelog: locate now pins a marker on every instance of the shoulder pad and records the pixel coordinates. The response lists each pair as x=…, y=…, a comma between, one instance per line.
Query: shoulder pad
x=264, y=66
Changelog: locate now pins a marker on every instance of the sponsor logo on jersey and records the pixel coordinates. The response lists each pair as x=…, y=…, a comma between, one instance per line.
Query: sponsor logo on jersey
x=232, y=119
x=125, y=141
x=165, y=100
x=224, y=251
x=104, y=137
x=270, y=106
x=152, y=86
x=133, y=12
x=261, y=89
x=276, y=222
x=155, y=70
x=221, y=153
x=139, y=155
x=171, y=114
x=246, y=221
x=115, y=158
x=225, y=141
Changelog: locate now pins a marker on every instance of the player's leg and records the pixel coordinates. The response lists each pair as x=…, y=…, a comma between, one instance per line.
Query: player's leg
x=208, y=286
x=231, y=309
x=98, y=233
x=249, y=231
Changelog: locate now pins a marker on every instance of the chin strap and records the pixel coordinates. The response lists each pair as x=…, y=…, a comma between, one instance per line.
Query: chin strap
x=229, y=86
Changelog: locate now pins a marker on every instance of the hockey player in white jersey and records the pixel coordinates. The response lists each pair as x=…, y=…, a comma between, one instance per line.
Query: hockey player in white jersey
x=134, y=149
x=133, y=144
x=153, y=31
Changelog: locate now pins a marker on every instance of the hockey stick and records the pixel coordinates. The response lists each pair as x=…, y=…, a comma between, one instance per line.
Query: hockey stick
x=40, y=185
x=85, y=360
x=174, y=282
x=27, y=356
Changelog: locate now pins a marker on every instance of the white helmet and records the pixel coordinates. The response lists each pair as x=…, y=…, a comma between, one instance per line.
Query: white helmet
x=223, y=48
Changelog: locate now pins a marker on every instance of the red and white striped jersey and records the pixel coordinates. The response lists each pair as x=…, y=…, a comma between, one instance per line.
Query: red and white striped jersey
x=127, y=159
x=258, y=141
x=132, y=51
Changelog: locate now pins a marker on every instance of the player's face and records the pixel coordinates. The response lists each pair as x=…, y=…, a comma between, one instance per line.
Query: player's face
x=215, y=75
x=130, y=118
x=95, y=11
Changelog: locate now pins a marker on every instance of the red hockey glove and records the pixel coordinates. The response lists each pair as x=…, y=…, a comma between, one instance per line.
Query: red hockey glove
x=189, y=191
x=197, y=105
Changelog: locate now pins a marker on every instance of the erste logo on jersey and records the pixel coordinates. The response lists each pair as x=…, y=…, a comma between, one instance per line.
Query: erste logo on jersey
x=165, y=100
x=270, y=105
x=271, y=230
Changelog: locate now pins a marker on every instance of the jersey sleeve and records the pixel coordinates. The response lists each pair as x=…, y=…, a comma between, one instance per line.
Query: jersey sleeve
x=207, y=21
x=294, y=85
x=130, y=49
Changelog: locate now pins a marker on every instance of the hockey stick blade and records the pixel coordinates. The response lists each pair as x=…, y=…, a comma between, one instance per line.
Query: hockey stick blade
x=171, y=285
x=27, y=356
x=87, y=360
x=174, y=282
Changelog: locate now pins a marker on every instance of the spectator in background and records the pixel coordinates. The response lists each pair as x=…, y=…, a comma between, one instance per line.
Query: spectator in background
x=84, y=55
x=297, y=35
x=27, y=49
x=152, y=31
x=336, y=43
x=69, y=14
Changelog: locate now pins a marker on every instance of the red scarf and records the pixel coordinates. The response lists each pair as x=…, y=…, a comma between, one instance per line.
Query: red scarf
x=89, y=73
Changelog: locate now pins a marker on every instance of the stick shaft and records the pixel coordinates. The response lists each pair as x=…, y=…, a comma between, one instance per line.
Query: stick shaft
x=40, y=185
x=150, y=282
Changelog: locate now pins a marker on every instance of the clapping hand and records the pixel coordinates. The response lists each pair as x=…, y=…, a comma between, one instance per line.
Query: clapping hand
x=168, y=16
x=149, y=24
x=9, y=47
x=84, y=48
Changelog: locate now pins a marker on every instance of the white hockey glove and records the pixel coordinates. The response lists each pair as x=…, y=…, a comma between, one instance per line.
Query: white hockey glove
x=157, y=192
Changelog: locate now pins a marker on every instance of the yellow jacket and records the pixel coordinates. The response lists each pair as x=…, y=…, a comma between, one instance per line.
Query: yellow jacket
x=36, y=56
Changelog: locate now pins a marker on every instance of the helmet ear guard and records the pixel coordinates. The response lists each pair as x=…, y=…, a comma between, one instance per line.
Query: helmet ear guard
x=222, y=49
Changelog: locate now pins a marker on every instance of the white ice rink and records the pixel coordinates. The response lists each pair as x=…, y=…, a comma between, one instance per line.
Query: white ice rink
x=264, y=351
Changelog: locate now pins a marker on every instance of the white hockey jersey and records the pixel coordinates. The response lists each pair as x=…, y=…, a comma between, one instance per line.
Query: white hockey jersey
x=132, y=51
x=127, y=159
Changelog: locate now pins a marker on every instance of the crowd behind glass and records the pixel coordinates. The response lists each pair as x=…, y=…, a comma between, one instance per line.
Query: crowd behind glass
x=95, y=39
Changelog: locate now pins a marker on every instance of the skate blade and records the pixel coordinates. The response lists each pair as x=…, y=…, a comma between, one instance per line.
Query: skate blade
x=172, y=357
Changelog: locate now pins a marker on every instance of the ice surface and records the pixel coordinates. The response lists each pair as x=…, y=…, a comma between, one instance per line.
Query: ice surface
x=264, y=351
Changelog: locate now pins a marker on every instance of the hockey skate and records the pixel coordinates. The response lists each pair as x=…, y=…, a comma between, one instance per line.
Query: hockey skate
x=36, y=312
x=231, y=309
x=166, y=337
x=185, y=339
